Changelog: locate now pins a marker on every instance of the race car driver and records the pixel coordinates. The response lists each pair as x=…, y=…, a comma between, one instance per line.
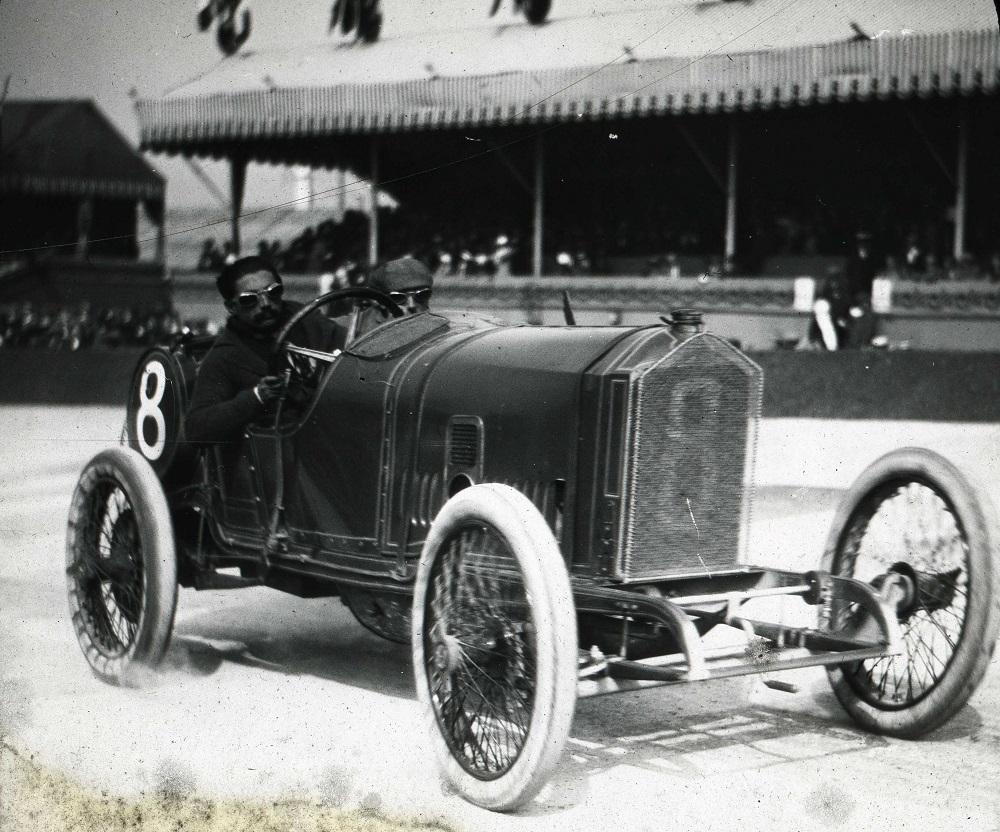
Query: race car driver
x=234, y=386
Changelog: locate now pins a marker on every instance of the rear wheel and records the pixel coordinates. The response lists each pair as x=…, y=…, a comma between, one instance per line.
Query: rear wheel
x=387, y=616
x=494, y=646
x=914, y=514
x=120, y=566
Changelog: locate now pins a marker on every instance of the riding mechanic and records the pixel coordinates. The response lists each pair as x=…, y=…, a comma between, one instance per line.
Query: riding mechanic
x=407, y=281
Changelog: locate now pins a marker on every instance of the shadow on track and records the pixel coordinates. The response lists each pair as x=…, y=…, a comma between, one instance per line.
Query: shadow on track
x=281, y=633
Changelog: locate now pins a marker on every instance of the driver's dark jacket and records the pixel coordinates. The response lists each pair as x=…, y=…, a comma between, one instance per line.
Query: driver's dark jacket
x=223, y=401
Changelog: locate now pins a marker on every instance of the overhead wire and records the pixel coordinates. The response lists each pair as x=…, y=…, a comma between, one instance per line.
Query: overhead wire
x=358, y=185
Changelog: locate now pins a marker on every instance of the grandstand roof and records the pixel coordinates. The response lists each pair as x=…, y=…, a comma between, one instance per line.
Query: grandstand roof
x=668, y=57
x=69, y=147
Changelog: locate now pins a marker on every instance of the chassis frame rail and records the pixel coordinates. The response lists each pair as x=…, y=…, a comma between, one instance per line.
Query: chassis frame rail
x=873, y=629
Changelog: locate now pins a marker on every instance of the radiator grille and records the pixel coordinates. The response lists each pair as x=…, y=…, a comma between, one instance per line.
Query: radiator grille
x=693, y=427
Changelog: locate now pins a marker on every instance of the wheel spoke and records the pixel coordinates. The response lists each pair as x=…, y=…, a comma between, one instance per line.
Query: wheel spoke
x=107, y=570
x=479, y=616
x=908, y=522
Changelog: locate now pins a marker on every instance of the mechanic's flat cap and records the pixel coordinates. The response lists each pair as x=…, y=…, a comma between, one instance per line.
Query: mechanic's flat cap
x=397, y=275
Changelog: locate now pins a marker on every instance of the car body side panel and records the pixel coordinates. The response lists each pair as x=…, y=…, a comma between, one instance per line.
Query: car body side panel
x=519, y=388
x=338, y=460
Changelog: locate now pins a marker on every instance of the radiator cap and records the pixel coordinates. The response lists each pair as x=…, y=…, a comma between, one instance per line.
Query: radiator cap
x=686, y=322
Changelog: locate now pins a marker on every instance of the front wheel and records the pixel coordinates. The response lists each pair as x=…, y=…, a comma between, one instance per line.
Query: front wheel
x=494, y=646
x=914, y=514
x=121, y=570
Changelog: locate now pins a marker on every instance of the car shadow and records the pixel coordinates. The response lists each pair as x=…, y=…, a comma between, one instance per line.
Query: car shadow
x=670, y=736
x=284, y=634
x=667, y=748
x=727, y=742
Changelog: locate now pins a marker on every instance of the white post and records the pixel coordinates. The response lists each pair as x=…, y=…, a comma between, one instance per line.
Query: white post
x=373, y=191
x=536, y=255
x=161, y=237
x=731, y=161
x=961, y=181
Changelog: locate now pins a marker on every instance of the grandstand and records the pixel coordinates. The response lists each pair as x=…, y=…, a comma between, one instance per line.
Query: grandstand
x=71, y=192
x=733, y=131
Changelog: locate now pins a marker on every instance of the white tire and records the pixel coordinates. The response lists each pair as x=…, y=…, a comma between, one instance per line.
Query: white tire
x=494, y=646
x=121, y=569
x=914, y=512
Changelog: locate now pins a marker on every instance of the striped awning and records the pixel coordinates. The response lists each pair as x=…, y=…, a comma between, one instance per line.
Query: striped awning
x=45, y=185
x=68, y=148
x=898, y=65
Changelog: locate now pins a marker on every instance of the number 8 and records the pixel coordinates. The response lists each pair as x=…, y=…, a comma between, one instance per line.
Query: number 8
x=149, y=408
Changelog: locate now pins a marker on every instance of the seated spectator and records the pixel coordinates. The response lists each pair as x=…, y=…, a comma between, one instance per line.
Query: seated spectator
x=210, y=259
x=992, y=270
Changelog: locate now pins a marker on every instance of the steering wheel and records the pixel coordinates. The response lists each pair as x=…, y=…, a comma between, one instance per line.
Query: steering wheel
x=280, y=354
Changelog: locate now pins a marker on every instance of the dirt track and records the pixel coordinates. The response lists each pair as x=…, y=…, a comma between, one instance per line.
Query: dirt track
x=267, y=695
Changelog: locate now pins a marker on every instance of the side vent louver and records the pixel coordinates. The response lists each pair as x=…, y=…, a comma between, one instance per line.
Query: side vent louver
x=464, y=445
x=463, y=454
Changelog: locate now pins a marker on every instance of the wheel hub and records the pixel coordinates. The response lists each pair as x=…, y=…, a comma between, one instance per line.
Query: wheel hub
x=447, y=654
x=913, y=590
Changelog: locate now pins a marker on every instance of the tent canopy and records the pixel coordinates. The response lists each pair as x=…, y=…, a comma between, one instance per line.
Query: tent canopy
x=69, y=148
x=680, y=57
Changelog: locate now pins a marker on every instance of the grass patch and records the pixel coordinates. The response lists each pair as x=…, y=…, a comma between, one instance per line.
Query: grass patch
x=876, y=384
x=33, y=799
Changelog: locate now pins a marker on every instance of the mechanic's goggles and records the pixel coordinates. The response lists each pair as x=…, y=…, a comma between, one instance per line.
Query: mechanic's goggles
x=251, y=300
x=419, y=296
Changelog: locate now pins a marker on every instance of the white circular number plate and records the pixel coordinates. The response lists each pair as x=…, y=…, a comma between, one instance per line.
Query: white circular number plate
x=149, y=408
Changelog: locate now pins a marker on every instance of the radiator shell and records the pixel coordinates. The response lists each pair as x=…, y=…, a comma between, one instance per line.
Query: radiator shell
x=687, y=473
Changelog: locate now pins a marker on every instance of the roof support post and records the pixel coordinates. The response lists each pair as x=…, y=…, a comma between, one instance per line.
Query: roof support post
x=84, y=219
x=536, y=248
x=732, y=158
x=373, y=194
x=961, y=179
x=340, y=206
x=237, y=184
x=161, y=238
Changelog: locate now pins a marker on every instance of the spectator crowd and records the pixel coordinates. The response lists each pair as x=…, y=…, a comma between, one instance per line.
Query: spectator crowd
x=636, y=245
x=29, y=325
x=446, y=248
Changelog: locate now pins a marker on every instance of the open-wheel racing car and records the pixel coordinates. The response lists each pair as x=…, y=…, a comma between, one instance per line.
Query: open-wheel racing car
x=542, y=512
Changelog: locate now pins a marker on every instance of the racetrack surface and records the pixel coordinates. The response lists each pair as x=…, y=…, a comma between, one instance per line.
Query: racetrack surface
x=265, y=695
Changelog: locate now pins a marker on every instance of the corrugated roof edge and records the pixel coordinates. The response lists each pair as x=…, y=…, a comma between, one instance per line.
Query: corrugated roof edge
x=944, y=63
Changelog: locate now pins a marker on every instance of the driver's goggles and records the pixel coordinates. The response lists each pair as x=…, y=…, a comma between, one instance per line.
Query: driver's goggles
x=251, y=300
x=421, y=296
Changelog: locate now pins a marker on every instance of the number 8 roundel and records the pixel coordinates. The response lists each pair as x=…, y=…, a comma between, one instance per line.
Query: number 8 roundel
x=156, y=404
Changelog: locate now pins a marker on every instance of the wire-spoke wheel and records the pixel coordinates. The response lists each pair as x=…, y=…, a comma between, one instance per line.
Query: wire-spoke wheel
x=494, y=646
x=120, y=567
x=912, y=513
x=385, y=615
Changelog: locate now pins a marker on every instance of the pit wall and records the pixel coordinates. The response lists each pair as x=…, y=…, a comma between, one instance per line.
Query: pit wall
x=760, y=313
x=869, y=384
x=950, y=371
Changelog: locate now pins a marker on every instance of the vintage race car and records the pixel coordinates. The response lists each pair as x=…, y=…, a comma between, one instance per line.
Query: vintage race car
x=543, y=513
